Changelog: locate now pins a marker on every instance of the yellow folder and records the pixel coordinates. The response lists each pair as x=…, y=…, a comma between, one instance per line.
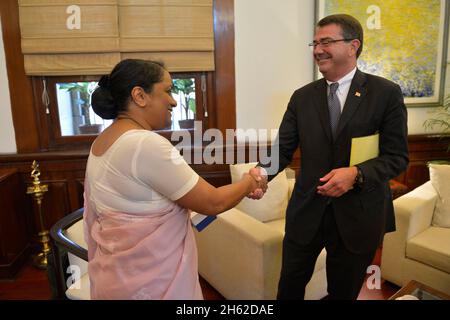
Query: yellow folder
x=364, y=148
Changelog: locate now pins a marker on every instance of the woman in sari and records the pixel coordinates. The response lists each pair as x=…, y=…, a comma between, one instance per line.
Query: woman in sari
x=139, y=192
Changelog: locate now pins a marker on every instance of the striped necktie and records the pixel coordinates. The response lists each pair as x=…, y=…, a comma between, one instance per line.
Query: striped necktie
x=334, y=106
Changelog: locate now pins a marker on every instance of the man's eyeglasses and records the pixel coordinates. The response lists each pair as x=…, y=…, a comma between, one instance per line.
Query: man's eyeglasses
x=326, y=42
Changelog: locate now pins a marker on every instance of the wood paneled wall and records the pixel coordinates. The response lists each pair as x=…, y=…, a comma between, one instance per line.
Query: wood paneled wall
x=14, y=222
x=423, y=149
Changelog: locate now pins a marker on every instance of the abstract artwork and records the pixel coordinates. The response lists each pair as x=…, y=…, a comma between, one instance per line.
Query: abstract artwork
x=404, y=41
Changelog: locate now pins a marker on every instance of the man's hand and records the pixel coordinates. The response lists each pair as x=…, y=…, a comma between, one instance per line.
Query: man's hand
x=337, y=182
x=258, y=193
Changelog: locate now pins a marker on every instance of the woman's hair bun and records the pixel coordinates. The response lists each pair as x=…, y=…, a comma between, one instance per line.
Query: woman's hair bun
x=104, y=82
x=113, y=92
x=103, y=103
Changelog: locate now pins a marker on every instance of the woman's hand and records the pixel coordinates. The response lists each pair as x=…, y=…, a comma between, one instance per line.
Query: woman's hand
x=260, y=189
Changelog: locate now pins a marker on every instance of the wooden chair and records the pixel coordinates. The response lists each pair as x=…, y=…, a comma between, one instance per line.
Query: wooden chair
x=69, y=258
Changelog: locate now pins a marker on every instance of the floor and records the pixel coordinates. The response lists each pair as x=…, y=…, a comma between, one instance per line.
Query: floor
x=386, y=289
x=32, y=284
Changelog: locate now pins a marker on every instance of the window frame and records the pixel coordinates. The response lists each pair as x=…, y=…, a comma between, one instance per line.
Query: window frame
x=49, y=122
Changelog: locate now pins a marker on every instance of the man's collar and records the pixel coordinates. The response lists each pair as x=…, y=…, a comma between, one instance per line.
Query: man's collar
x=347, y=78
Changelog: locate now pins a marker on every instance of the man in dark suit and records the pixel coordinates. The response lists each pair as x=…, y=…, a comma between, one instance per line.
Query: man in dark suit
x=346, y=209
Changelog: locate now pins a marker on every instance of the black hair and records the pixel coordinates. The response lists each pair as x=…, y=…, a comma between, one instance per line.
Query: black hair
x=351, y=28
x=114, y=90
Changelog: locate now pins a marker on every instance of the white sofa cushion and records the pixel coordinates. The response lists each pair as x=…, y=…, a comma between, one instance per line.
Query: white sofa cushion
x=80, y=290
x=76, y=234
x=279, y=225
x=440, y=178
x=431, y=247
x=274, y=203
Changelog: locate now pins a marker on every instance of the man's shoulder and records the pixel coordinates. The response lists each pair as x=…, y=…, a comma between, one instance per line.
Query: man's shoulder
x=306, y=89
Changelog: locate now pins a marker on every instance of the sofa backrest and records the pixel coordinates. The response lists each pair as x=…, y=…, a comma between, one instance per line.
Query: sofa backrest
x=274, y=203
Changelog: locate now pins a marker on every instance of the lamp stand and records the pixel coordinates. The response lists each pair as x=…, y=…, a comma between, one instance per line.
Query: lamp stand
x=37, y=191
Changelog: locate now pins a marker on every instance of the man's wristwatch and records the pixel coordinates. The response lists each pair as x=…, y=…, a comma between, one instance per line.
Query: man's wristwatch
x=359, y=179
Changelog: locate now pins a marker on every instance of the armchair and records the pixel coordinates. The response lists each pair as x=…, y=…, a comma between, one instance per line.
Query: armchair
x=70, y=257
x=240, y=256
x=417, y=250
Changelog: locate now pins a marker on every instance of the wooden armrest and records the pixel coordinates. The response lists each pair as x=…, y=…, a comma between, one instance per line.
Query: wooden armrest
x=397, y=188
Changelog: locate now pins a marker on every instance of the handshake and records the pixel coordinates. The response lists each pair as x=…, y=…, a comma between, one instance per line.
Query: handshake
x=260, y=185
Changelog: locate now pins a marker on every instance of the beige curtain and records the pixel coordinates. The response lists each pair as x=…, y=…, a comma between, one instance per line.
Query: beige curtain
x=88, y=37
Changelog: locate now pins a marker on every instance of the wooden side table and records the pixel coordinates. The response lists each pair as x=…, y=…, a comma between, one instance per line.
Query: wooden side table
x=421, y=291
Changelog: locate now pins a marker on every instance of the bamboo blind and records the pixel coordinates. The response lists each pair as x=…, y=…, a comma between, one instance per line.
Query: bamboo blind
x=51, y=48
x=179, y=32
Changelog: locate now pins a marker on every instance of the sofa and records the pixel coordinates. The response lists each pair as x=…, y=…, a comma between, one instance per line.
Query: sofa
x=240, y=253
x=420, y=247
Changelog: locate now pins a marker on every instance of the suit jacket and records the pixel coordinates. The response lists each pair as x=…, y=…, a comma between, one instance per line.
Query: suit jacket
x=364, y=214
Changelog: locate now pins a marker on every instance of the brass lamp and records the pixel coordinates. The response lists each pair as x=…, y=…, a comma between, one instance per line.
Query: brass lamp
x=38, y=190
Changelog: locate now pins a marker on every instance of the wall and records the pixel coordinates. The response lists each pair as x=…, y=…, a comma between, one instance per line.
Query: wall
x=273, y=59
x=7, y=137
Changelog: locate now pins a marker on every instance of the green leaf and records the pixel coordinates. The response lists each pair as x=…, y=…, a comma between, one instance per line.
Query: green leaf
x=183, y=85
x=440, y=118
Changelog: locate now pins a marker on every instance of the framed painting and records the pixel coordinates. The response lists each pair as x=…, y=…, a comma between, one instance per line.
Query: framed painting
x=404, y=41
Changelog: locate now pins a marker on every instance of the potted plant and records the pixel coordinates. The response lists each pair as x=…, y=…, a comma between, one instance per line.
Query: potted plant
x=81, y=95
x=441, y=118
x=185, y=87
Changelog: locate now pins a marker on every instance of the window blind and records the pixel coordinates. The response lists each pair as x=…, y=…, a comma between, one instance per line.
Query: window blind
x=67, y=37
x=179, y=32
x=88, y=37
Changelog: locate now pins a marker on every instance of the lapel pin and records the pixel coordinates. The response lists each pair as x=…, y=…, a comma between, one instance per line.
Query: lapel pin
x=357, y=94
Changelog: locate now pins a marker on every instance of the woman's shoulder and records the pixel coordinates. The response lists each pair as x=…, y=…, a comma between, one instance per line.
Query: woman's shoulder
x=126, y=140
x=143, y=141
x=147, y=135
x=138, y=134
